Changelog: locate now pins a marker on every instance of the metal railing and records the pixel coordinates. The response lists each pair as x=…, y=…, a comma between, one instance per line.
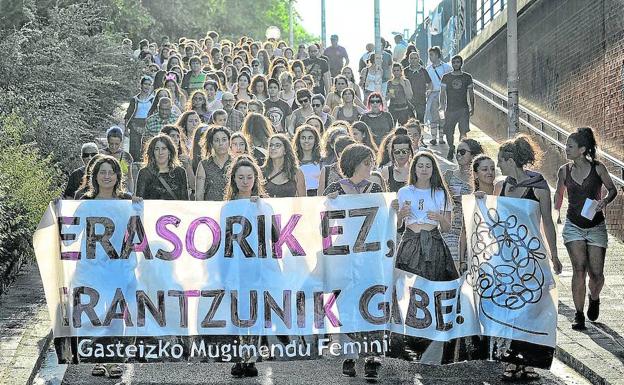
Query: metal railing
x=543, y=127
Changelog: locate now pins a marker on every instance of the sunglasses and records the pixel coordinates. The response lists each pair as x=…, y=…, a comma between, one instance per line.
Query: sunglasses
x=255, y=65
x=89, y=154
x=317, y=105
x=303, y=100
x=403, y=151
x=462, y=151
x=376, y=101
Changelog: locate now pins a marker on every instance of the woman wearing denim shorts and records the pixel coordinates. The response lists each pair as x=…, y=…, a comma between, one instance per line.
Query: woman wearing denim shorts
x=585, y=237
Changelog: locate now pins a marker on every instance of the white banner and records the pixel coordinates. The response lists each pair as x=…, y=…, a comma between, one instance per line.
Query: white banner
x=286, y=267
x=510, y=270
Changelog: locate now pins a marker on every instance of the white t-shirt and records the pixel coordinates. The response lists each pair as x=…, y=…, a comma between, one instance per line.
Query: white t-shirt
x=441, y=70
x=311, y=172
x=421, y=201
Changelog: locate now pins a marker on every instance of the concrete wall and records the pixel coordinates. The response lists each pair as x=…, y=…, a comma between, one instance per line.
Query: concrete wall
x=571, y=67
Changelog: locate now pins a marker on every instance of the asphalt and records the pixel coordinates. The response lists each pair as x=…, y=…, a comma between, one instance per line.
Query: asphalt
x=597, y=353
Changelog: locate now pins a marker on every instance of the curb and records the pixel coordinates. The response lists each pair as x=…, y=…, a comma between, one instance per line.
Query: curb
x=585, y=371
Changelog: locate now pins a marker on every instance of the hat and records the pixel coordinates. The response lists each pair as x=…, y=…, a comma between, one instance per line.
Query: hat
x=89, y=147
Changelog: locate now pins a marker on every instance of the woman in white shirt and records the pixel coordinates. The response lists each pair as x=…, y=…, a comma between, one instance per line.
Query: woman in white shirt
x=425, y=206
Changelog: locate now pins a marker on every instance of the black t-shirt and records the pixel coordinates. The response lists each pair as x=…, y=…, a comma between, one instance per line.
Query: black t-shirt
x=317, y=68
x=456, y=90
x=419, y=80
x=150, y=187
x=380, y=125
x=73, y=183
x=277, y=112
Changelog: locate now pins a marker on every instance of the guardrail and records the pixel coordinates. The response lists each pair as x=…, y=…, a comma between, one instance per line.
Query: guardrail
x=542, y=127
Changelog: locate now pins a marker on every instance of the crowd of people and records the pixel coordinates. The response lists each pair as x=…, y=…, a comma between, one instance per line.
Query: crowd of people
x=220, y=120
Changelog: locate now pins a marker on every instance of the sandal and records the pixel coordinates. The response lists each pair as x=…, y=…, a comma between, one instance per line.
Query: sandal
x=114, y=370
x=98, y=370
x=511, y=373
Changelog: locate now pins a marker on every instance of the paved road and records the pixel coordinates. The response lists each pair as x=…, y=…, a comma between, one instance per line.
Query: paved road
x=394, y=371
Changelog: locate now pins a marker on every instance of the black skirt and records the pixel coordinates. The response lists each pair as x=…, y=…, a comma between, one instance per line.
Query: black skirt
x=426, y=255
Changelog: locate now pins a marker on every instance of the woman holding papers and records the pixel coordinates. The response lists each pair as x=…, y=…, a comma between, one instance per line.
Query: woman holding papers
x=585, y=232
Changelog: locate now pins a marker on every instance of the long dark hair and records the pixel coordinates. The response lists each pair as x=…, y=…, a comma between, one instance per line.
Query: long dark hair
x=183, y=121
x=257, y=128
x=84, y=182
x=436, y=181
x=291, y=163
x=584, y=137
x=94, y=186
x=231, y=190
x=208, y=136
x=316, y=150
x=476, y=162
x=148, y=154
x=521, y=149
x=168, y=128
x=365, y=130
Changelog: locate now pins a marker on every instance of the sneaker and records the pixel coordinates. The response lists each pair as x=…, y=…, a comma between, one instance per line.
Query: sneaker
x=348, y=368
x=433, y=142
x=237, y=370
x=371, y=367
x=250, y=370
x=579, y=321
x=593, y=310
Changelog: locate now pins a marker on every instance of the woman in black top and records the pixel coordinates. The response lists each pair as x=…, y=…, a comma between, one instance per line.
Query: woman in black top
x=513, y=156
x=396, y=174
x=106, y=182
x=281, y=170
x=379, y=121
x=356, y=163
x=162, y=176
x=211, y=179
x=585, y=239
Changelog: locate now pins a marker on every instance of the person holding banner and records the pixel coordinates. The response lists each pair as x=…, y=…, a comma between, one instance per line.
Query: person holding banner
x=513, y=156
x=106, y=182
x=162, y=176
x=425, y=206
x=584, y=232
x=356, y=164
x=459, y=182
x=211, y=179
x=281, y=170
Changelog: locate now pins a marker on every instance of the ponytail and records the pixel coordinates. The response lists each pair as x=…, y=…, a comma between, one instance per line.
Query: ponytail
x=584, y=137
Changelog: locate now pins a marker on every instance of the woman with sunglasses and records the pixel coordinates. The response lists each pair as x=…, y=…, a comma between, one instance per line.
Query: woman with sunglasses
x=199, y=103
x=299, y=116
x=318, y=105
x=379, y=121
x=281, y=170
x=397, y=173
x=460, y=182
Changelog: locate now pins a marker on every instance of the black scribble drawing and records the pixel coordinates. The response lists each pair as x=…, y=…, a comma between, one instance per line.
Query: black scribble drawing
x=516, y=279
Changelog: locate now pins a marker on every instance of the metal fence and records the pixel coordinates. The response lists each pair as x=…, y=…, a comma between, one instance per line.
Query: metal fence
x=486, y=11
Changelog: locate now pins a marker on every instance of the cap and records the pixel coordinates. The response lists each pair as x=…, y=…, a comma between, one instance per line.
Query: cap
x=89, y=147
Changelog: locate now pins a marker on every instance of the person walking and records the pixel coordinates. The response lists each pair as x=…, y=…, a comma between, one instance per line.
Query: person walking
x=585, y=235
x=436, y=70
x=455, y=90
x=337, y=56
